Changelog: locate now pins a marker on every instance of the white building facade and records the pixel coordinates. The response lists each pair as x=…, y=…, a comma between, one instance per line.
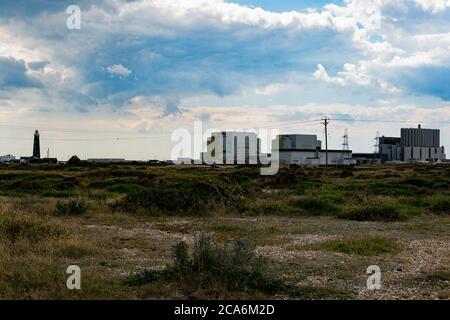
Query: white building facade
x=232, y=148
x=305, y=149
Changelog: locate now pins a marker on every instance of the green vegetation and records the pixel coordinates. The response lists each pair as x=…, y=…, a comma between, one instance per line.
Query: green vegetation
x=117, y=220
x=232, y=269
x=73, y=207
x=440, y=204
x=366, y=246
x=374, y=212
x=224, y=270
x=392, y=193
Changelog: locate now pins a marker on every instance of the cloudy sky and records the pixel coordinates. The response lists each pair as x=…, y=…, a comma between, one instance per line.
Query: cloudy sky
x=138, y=70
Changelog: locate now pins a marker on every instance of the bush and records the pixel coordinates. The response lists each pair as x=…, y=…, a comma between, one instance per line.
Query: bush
x=347, y=172
x=74, y=161
x=235, y=268
x=386, y=213
x=73, y=207
x=440, y=205
x=367, y=246
x=181, y=197
x=316, y=205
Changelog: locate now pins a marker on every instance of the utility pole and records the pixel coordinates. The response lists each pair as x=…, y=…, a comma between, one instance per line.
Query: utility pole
x=325, y=123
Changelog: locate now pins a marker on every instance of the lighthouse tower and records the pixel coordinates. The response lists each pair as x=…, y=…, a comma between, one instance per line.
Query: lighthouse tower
x=36, y=146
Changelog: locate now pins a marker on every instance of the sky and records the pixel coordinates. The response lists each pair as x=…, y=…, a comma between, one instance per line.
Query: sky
x=139, y=70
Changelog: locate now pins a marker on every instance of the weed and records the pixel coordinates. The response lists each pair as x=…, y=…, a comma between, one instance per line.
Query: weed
x=373, y=212
x=366, y=246
x=73, y=207
x=236, y=268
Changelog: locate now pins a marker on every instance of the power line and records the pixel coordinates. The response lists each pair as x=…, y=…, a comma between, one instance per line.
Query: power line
x=391, y=121
x=50, y=129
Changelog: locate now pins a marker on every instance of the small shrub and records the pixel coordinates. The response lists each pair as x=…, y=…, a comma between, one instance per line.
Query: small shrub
x=386, y=213
x=440, y=205
x=236, y=268
x=315, y=205
x=143, y=277
x=366, y=246
x=438, y=275
x=347, y=172
x=73, y=207
x=418, y=182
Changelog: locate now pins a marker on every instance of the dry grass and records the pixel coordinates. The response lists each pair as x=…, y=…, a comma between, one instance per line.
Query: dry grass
x=294, y=214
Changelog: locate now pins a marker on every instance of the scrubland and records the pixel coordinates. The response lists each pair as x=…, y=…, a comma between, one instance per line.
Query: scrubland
x=142, y=232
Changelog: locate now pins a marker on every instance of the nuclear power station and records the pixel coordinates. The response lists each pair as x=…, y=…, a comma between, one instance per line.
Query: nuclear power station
x=413, y=145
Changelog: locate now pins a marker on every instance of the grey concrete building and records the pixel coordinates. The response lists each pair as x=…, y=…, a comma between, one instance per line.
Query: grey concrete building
x=414, y=145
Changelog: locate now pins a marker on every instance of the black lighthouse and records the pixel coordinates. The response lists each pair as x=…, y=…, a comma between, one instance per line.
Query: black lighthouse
x=36, y=146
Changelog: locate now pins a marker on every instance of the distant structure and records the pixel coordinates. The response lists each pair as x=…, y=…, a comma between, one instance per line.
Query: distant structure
x=7, y=158
x=36, y=146
x=306, y=149
x=106, y=160
x=376, y=146
x=414, y=145
x=36, y=157
x=232, y=148
x=345, y=145
x=184, y=160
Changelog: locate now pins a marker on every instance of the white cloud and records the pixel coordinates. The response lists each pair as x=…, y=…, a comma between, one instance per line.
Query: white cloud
x=435, y=6
x=274, y=88
x=352, y=74
x=119, y=70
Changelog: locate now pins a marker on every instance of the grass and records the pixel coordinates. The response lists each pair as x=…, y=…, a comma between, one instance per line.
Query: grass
x=30, y=227
x=235, y=268
x=365, y=246
x=224, y=270
x=374, y=212
x=70, y=208
x=316, y=205
x=123, y=219
x=440, y=204
x=440, y=274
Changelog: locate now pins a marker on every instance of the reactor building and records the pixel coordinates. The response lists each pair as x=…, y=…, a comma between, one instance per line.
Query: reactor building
x=232, y=148
x=413, y=145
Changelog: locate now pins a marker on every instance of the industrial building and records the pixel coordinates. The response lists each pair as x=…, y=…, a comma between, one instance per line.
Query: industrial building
x=7, y=158
x=232, y=148
x=413, y=145
x=305, y=149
